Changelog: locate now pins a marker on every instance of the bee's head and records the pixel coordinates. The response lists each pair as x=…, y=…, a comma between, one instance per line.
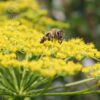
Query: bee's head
x=60, y=33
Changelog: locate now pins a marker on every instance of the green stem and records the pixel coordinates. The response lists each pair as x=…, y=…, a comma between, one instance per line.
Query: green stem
x=66, y=85
x=22, y=81
x=66, y=59
x=91, y=92
x=85, y=91
x=96, y=59
x=71, y=93
x=72, y=84
x=63, y=93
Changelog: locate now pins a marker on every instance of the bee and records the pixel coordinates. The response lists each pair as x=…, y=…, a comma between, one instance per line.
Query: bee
x=54, y=33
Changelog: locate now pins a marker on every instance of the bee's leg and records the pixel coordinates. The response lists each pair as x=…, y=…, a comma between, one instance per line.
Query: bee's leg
x=59, y=36
x=48, y=36
x=51, y=38
x=60, y=41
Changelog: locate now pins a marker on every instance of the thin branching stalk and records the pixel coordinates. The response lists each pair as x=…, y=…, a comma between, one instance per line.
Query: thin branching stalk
x=66, y=85
x=80, y=92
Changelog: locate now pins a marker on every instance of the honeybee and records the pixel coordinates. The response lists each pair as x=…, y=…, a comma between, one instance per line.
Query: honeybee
x=53, y=34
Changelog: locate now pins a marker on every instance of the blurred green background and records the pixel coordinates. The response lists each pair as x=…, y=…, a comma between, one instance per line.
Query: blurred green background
x=83, y=16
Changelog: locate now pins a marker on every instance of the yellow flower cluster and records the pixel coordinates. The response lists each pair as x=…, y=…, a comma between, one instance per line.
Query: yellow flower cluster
x=29, y=12
x=46, y=66
x=16, y=37
x=20, y=42
x=93, y=71
x=49, y=59
x=73, y=48
x=17, y=5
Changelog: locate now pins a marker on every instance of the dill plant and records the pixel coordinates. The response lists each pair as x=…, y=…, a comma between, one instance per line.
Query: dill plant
x=28, y=68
